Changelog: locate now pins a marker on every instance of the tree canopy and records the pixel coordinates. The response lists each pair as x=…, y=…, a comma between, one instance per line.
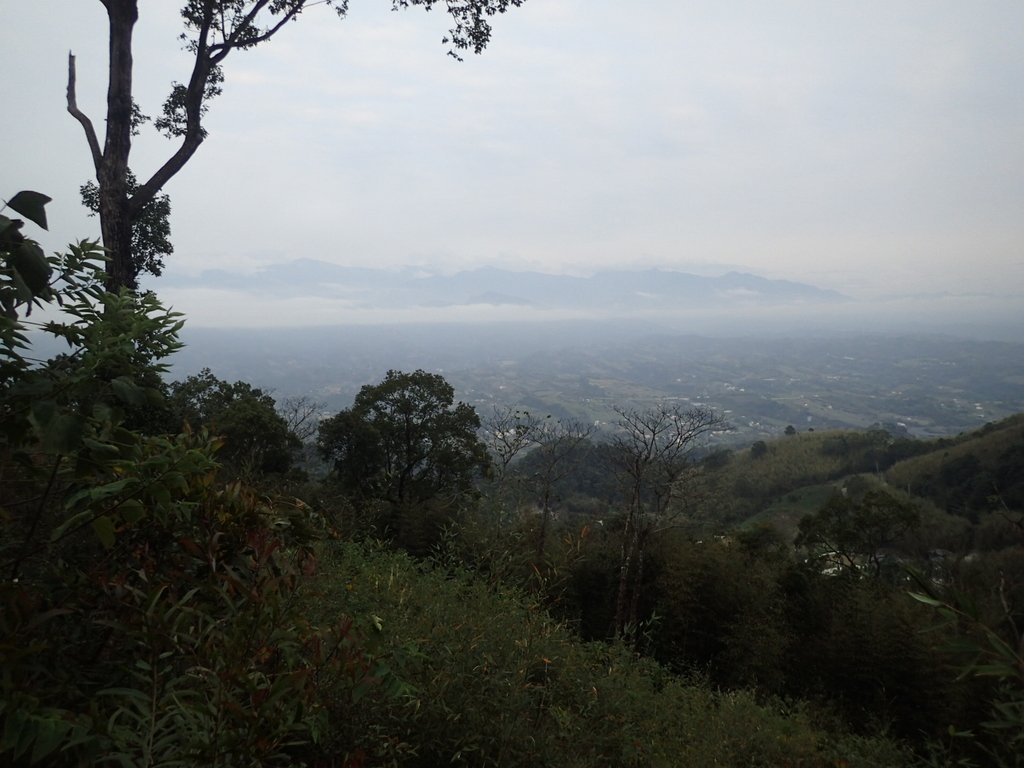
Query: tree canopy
x=405, y=441
x=256, y=437
x=850, y=531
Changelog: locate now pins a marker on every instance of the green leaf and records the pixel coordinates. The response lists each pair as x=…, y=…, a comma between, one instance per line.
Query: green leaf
x=21, y=290
x=160, y=495
x=101, y=449
x=127, y=391
x=6, y=223
x=107, y=490
x=63, y=433
x=71, y=523
x=132, y=511
x=24, y=735
x=49, y=735
x=31, y=205
x=103, y=526
x=32, y=266
x=12, y=729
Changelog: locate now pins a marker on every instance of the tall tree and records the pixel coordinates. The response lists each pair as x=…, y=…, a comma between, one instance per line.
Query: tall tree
x=213, y=29
x=405, y=441
x=555, y=443
x=653, y=450
x=151, y=228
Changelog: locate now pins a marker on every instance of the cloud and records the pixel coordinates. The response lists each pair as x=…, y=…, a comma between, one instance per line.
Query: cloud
x=238, y=309
x=870, y=142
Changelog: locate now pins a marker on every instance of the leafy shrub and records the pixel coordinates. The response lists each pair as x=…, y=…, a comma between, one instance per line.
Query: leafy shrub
x=149, y=614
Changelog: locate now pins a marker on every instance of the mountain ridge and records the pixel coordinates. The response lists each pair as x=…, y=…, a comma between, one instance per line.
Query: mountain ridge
x=604, y=289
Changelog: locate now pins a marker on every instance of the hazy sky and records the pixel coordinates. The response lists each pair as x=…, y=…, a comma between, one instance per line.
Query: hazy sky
x=865, y=145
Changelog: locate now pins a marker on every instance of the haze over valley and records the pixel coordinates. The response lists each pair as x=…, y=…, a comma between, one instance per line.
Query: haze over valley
x=923, y=385
x=768, y=353
x=701, y=299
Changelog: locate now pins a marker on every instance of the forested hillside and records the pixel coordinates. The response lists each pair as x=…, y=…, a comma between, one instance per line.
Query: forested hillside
x=198, y=574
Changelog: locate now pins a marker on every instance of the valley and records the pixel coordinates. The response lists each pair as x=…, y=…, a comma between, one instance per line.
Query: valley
x=923, y=386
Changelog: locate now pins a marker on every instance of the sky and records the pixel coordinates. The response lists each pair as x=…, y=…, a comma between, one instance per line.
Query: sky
x=875, y=147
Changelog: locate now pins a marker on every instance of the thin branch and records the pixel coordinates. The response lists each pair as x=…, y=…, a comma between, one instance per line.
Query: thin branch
x=231, y=41
x=26, y=545
x=80, y=116
x=206, y=57
x=219, y=50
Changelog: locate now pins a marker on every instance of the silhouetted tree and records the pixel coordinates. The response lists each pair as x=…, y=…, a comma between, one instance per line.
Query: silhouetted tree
x=405, y=441
x=256, y=438
x=212, y=30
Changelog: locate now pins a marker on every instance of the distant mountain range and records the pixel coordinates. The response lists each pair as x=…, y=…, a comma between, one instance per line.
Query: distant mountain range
x=649, y=289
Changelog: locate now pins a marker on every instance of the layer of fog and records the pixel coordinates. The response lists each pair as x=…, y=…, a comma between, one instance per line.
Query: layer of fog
x=998, y=318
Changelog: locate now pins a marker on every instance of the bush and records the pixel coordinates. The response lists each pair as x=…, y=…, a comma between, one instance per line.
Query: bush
x=149, y=615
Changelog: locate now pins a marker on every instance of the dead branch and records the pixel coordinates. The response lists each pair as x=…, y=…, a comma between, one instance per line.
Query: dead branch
x=81, y=117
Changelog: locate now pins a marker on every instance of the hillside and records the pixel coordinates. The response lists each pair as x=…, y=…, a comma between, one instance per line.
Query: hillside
x=181, y=591
x=968, y=476
x=972, y=473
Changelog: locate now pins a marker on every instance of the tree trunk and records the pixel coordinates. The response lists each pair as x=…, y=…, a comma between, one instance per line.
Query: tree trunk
x=116, y=229
x=112, y=174
x=630, y=547
x=634, y=601
x=620, y=598
x=545, y=515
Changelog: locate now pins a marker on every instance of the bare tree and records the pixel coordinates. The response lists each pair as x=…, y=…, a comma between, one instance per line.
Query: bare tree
x=302, y=415
x=555, y=442
x=652, y=452
x=511, y=433
x=213, y=29
x=508, y=432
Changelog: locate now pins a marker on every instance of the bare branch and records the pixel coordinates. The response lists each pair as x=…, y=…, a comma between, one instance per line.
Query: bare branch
x=81, y=117
x=302, y=415
x=509, y=432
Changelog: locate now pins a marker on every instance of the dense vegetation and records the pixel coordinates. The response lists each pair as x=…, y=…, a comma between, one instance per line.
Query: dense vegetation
x=184, y=584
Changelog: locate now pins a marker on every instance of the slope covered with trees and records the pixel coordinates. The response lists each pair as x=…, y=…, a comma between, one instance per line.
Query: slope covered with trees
x=186, y=583
x=160, y=612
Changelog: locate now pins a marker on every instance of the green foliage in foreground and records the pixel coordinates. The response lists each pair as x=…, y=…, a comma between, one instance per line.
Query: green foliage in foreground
x=488, y=678
x=152, y=614
x=984, y=652
x=148, y=612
